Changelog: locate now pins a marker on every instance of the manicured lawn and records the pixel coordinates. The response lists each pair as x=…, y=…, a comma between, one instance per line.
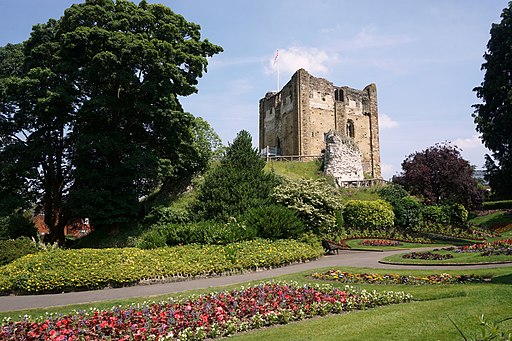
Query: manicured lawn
x=295, y=170
x=426, y=318
x=493, y=219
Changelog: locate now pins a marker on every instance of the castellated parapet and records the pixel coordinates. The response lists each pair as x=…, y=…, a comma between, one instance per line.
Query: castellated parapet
x=294, y=121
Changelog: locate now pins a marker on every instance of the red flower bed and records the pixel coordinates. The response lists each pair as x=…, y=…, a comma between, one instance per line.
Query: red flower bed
x=380, y=242
x=427, y=255
x=206, y=316
x=498, y=247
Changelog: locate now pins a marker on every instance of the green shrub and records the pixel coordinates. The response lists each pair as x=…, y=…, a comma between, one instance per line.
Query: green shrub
x=274, y=222
x=315, y=201
x=407, y=209
x=459, y=215
x=377, y=214
x=436, y=214
x=16, y=225
x=497, y=205
x=201, y=232
x=12, y=249
x=392, y=193
x=167, y=215
x=408, y=213
x=70, y=270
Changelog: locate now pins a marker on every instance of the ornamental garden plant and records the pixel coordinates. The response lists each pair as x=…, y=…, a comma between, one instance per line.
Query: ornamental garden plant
x=498, y=251
x=211, y=315
x=392, y=278
x=71, y=270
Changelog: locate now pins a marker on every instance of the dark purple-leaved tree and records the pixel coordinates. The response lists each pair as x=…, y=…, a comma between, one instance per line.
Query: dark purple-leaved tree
x=440, y=175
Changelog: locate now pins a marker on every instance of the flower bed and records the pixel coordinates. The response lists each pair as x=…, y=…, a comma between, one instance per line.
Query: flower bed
x=70, y=270
x=496, y=248
x=207, y=316
x=427, y=256
x=380, y=242
x=373, y=278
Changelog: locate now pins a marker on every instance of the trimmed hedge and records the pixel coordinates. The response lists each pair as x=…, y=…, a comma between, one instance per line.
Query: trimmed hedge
x=71, y=270
x=201, y=232
x=377, y=214
x=497, y=205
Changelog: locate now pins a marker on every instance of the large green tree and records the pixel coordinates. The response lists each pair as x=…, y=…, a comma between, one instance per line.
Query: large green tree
x=493, y=117
x=92, y=122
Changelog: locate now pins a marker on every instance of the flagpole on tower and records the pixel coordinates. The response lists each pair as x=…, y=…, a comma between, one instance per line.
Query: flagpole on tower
x=276, y=62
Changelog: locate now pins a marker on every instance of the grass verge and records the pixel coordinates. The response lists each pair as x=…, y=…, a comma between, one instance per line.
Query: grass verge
x=427, y=318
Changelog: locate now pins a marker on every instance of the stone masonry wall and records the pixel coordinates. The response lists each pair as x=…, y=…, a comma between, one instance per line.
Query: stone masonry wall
x=296, y=119
x=342, y=158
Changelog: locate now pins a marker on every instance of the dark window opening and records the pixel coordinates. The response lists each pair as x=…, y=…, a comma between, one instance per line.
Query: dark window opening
x=350, y=129
x=339, y=95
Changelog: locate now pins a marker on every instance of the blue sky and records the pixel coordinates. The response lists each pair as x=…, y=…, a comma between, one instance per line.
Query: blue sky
x=424, y=56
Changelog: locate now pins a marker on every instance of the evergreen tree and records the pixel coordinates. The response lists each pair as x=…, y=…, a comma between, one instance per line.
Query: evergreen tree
x=493, y=117
x=237, y=184
x=91, y=122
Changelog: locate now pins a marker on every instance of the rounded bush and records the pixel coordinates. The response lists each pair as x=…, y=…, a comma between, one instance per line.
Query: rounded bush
x=12, y=249
x=376, y=214
x=406, y=208
x=436, y=214
x=274, y=222
x=315, y=201
x=459, y=214
x=16, y=225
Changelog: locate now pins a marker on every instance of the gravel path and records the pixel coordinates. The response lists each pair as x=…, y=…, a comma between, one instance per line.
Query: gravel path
x=365, y=259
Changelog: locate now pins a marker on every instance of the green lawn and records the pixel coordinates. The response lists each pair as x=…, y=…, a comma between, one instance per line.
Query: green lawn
x=458, y=258
x=493, y=219
x=295, y=170
x=426, y=318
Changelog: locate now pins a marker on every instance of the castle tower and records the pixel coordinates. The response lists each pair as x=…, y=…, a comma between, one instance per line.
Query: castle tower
x=293, y=121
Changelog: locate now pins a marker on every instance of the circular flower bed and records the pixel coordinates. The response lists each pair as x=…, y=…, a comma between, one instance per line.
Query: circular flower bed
x=206, y=316
x=496, y=248
x=380, y=242
x=373, y=278
x=427, y=256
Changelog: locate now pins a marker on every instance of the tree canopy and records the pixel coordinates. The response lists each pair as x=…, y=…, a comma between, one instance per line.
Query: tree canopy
x=89, y=114
x=493, y=117
x=440, y=175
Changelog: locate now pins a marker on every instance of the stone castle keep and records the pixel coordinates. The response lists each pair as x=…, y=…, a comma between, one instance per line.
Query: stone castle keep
x=296, y=121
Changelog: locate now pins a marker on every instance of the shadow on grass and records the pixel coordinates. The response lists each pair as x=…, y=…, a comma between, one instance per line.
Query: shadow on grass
x=505, y=279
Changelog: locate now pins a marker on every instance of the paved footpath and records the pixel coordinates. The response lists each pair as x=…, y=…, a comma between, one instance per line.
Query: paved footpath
x=344, y=258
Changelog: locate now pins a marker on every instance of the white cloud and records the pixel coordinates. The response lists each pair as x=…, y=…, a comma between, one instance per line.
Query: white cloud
x=469, y=143
x=369, y=37
x=387, y=170
x=386, y=122
x=293, y=58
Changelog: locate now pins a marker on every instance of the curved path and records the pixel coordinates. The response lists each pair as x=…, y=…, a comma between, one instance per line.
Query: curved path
x=366, y=259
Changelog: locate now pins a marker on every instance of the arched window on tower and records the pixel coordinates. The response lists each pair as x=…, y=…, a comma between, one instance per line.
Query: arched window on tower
x=339, y=95
x=350, y=129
